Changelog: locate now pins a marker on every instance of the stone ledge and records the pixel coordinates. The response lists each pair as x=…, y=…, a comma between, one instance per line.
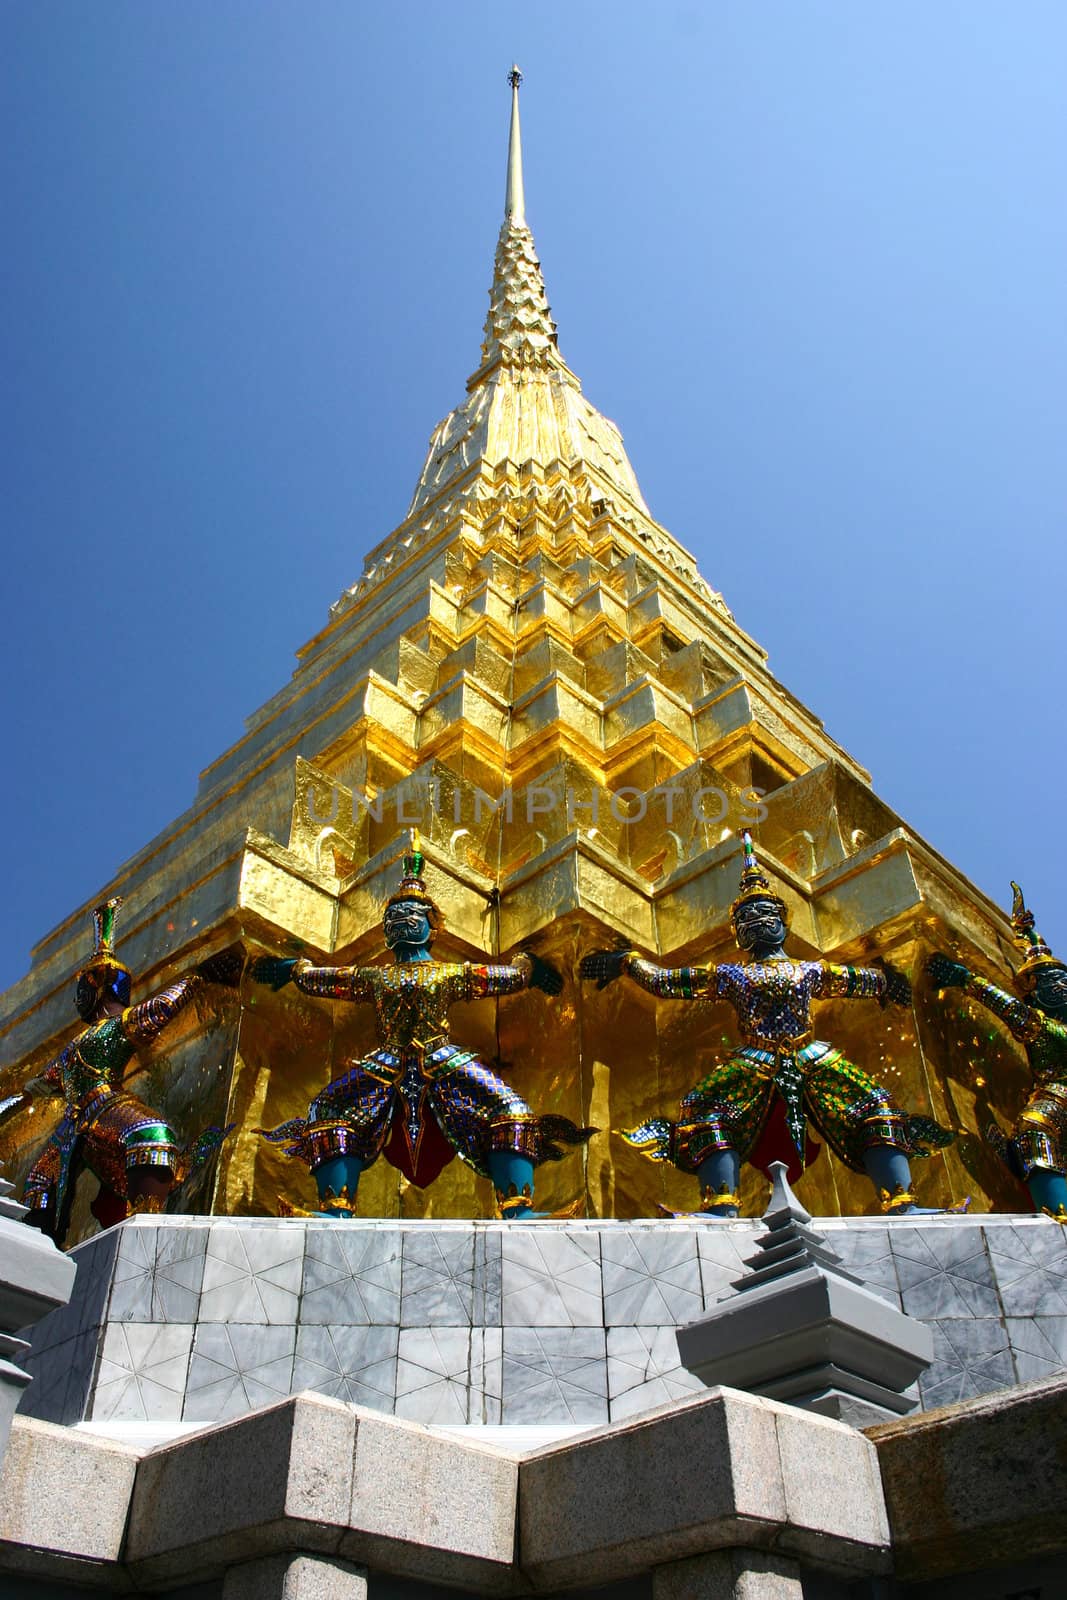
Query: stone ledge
x=720, y=1470
x=969, y=1489
x=978, y=1484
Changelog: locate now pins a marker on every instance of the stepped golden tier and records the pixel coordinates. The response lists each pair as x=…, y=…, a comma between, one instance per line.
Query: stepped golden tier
x=532, y=670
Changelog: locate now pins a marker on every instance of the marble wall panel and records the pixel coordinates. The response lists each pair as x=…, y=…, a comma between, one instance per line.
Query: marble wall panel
x=448, y=1375
x=943, y=1271
x=971, y=1357
x=721, y=1247
x=348, y=1362
x=651, y=1278
x=644, y=1371
x=1039, y=1346
x=437, y=1284
x=143, y=1372
x=351, y=1276
x=551, y=1278
x=237, y=1367
x=868, y=1253
x=252, y=1273
x=1029, y=1264
x=158, y=1274
x=554, y=1375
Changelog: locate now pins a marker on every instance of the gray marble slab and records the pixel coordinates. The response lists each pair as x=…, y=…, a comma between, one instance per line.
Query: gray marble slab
x=550, y=1277
x=555, y=1374
x=351, y=1276
x=644, y=1371
x=252, y=1274
x=650, y=1279
x=237, y=1367
x=437, y=1282
x=971, y=1357
x=348, y=1362
x=944, y=1272
x=1029, y=1268
x=143, y=1372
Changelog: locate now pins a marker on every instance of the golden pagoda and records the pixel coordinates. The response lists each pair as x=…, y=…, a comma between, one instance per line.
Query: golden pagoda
x=532, y=670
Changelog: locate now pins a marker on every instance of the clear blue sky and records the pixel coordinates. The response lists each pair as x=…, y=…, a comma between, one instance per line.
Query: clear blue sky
x=809, y=256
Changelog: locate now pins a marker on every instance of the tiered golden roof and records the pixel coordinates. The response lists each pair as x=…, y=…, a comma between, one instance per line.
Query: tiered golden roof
x=532, y=670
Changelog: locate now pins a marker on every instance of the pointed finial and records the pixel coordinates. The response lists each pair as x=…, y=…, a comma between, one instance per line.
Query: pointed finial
x=515, y=198
x=755, y=884
x=1036, y=952
x=783, y=1202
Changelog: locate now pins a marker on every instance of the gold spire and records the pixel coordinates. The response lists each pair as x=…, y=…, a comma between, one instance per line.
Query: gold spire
x=524, y=403
x=519, y=331
x=515, y=198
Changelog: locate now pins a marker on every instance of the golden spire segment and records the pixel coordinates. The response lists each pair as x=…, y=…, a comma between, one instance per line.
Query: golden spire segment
x=515, y=199
x=524, y=403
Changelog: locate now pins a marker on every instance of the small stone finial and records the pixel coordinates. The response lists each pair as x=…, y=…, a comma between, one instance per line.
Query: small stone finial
x=515, y=198
x=783, y=1202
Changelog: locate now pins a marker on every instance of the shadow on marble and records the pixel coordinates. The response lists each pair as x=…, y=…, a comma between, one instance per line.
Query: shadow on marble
x=868, y=1253
x=1039, y=1345
x=62, y=1378
x=971, y=1357
x=88, y=1304
x=944, y=1272
x=1029, y=1268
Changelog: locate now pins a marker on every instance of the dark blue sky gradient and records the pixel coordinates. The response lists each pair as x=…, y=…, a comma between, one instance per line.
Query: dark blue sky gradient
x=810, y=257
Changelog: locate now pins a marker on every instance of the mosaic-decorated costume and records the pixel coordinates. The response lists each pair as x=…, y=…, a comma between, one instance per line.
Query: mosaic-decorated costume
x=1036, y=1152
x=419, y=1099
x=133, y=1151
x=722, y=1118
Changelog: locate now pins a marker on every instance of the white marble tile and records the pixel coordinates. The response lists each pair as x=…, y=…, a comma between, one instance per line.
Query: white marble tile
x=486, y=1375
x=252, y=1275
x=351, y=1275
x=142, y=1373
x=351, y=1363
x=237, y=1367
x=971, y=1357
x=437, y=1281
x=551, y=1278
x=433, y=1374
x=650, y=1278
x=181, y=1255
x=1029, y=1267
x=157, y=1275
x=1039, y=1345
x=486, y=1304
x=555, y=1375
x=721, y=1248
x=644, y=1371
x=867, y=1253
x=944, y=1272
